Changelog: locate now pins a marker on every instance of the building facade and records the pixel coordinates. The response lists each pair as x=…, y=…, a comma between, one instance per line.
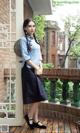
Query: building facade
x=49, y=47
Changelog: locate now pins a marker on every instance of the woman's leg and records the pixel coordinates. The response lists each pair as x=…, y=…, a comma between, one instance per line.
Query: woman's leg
x=32, y=118
x=36, y=122
x=35, y=117
x=33, y=112
x=32, y=115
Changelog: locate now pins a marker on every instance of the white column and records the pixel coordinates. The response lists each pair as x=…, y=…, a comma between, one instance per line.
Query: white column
x=19, y=32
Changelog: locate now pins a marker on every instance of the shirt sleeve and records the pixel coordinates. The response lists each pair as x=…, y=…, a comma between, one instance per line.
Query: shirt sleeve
x=25, y=53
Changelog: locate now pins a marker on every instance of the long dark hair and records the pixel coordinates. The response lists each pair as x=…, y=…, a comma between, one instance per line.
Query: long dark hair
x=25, y=24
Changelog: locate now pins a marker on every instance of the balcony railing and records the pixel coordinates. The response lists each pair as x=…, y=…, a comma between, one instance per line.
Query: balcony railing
x=65, y=76
x=66, y=104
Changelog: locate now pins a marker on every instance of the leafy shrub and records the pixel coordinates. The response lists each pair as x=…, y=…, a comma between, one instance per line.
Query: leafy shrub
x=59, y=90
x=48, y=65
x=47, y=84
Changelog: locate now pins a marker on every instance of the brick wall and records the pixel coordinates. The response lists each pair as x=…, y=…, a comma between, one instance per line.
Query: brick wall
x=4, y=53
x=4, y=11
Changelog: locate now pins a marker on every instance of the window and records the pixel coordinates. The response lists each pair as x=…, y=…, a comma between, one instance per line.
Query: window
x=53, y=38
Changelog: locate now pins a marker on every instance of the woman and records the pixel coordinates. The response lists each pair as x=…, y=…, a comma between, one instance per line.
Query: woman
x=33, y=90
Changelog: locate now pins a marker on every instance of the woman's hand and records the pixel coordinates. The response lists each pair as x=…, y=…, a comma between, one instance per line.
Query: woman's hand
x=39, y=71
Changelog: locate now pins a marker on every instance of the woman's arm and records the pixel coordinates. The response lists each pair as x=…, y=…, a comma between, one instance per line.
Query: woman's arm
x=38, y=69
x=29, y=62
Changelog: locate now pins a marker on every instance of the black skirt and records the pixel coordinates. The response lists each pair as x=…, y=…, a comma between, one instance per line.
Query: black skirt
x=32, y=86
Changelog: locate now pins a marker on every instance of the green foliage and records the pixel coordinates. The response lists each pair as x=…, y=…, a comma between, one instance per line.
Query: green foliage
x=72, y=27
x=59, y=90
x=75, y=51
x=62, y=2
x=72, y=31
x=55, y=3
x=48, y=65
x=70, y=85
x=59, y=84
x=48, y=89
x=58, y=93
x=47, y=84
x=40, y=23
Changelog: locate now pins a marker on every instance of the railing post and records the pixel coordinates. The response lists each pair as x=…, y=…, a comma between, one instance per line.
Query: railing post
x=53, y=90
x=65, y=93
x=76, y=94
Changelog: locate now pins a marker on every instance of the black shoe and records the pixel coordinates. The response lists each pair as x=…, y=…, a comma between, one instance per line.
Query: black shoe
x=31, y=125
x=39, y=125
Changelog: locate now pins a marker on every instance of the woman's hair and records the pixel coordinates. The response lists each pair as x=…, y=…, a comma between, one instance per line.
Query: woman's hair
x=25, y=24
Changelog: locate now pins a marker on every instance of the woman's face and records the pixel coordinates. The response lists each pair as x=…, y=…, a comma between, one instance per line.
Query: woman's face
x=30, y=28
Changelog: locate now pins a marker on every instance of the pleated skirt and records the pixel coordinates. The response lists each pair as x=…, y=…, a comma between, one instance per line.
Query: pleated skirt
x=32, y=86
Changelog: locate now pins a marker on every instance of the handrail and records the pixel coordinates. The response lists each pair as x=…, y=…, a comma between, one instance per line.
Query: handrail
x=73, y=74
x=65, y=75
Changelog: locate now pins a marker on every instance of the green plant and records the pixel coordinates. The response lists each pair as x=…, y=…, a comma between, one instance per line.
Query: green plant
x=40, y=24
x=47, y=84
x=48, y=65
x=59, y=90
